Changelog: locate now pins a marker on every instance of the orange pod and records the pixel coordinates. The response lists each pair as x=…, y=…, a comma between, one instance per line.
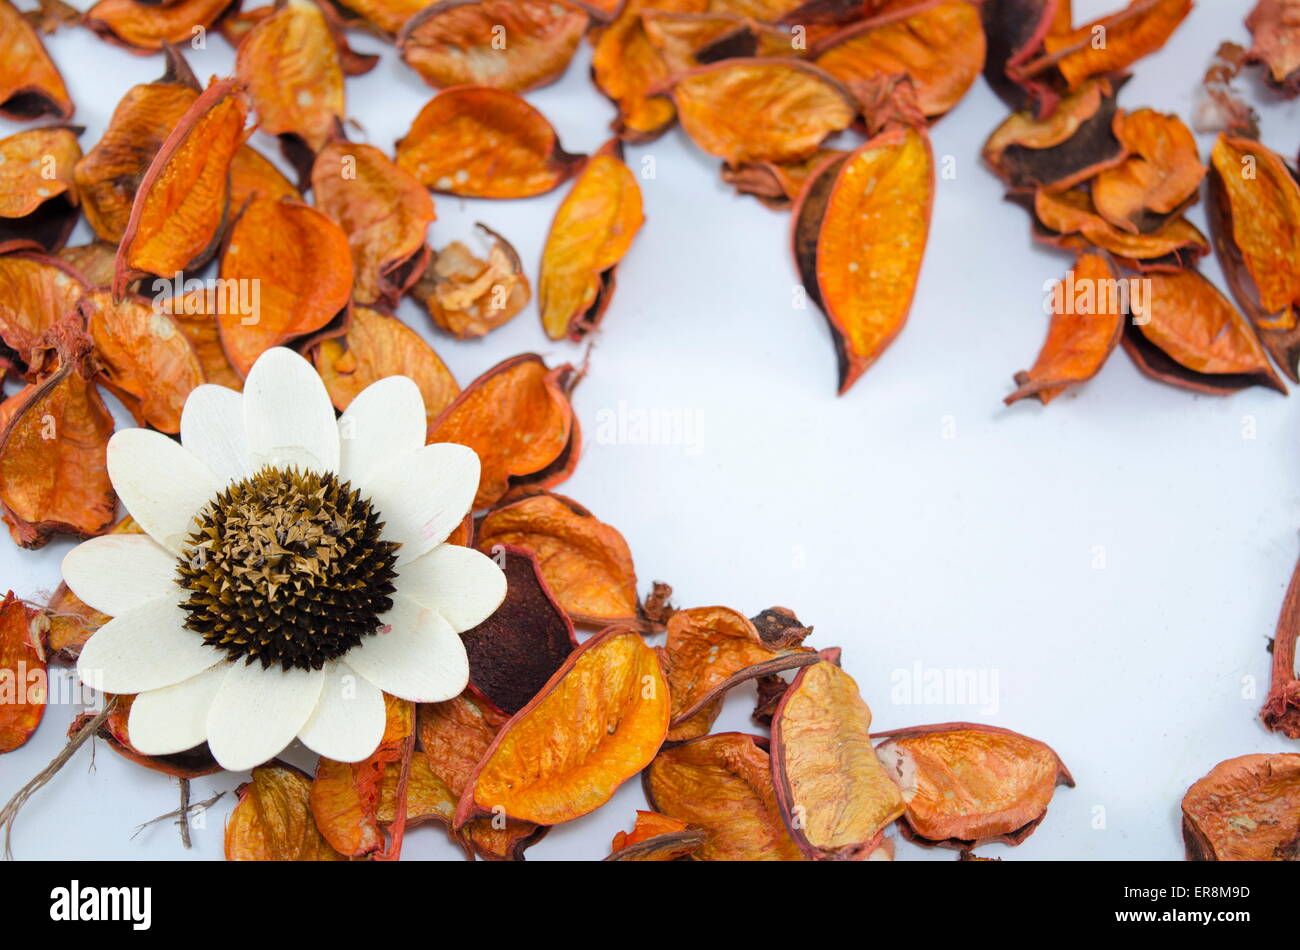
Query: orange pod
x=1245, y=809
x=592, y=231
x=1159, y=178
x=292, y=267
x=1272, y=26
x=508, y=44
x=859, y=233
x=656, y=837
x=273, y=821
x=468, y=296
x=147, y=27
x=22, y=665
x=387, y=16
x=479, y=142
x=36, y=292
x=1139, y=29
x=191, y=763
x=38, y=197
x=30, y=84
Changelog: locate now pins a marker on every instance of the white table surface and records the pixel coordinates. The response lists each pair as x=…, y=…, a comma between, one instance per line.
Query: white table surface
x=1113, y=563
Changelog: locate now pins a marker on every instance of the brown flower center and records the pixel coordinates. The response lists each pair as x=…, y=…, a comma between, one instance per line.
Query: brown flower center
x=288, y=569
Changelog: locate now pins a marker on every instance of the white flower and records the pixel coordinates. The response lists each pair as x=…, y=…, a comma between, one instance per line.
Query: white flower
x=183, y=641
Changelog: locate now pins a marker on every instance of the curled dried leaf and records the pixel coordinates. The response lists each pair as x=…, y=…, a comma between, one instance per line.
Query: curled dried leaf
x=656, y=837
x=1138, y=30
x=1088, y=310
x=273, y=819
x=1160, y=176
x=148, y=27
x=518, y=418
x=38, y=198
x=469, y=297
x=384, y=212
x=22, y=672
x=459, y=42
x=516, y=651
x=1245, y=809
x=109, y=176
x=290, y=64
x=835, y=795
x=967, y=784
x=592, y=231
x=288, y=269
x=1209, y=346
x=585, y=563
x=1274, y=26
x=1063, y=214
x=30, y=83
x=859, y=233
x=939, y=47
x=711, y=649
x=53, y=469
x=378, y=345
x=761, y=110
x=145, y=360
x=598, y=721
x=776, y=184
x=1059, y=151
x=479, y=142
x=180, y=207
x=723, y=784
x=36, y=292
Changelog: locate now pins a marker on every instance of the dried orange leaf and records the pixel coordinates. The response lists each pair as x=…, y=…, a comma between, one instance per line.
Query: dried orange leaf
x=508, y=44
x=859, y=234
x=711, y=649
x=273, y=820
x=585, y=562
x=110, y=175
x=195, y=314
x=467, y=296
x=1136, y=31
x=516, y=651
x=835, y=796
x=253, y=176
x=1274, y=28
x=1088, y=310
x=761, y=110
x=290, y=63
x=378, y=345
x=1209, y=346
x=968, y=784
x=291, y=267
x=384, y=212
x=517, y=417
x=95, y=261
x=723, y=784
x=148, y=27
x=1245, y=809
x=180, y=207
x=656, y=837
x=22, y=672
x=38, y=199
x=591, y=233
x=939, y=47
x=1160, y=176
x=479, y=142
x=53, y=472
x=389, y=16
x=36, y=292
x=1063, y=214
x=686, y=39
x=30, y=84
x=599, y=721
x=776, y=184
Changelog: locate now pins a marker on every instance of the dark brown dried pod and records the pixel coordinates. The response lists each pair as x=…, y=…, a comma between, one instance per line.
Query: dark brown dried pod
x=515, y=651
x=1016, y=30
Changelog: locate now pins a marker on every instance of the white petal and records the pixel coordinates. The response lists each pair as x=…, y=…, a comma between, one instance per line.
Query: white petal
x=257, y=712
x=144, y=648
x=175, y=718
x=384, y=422
x=162, y=485
x=465, y=586
x=116, y=572
x=287, y=415
x=349, y=720
x=423, y=495
x=419, y=657
x=212, y=427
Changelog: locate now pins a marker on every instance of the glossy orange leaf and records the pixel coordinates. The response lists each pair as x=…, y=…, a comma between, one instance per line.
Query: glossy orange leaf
x=967, y=784
x=592, y=231
x=479, y=142
x=468, y=296
x=598, y=722
x=294, y=265
x=859, y=234
x=517, y=417
x=30, y=83
x=273, y=820
x=23, y=679
x=1245, y=809
x=377, y=345
x=508, y=44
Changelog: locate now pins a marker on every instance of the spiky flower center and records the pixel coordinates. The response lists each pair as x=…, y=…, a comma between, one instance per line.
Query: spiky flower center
x=287, y=568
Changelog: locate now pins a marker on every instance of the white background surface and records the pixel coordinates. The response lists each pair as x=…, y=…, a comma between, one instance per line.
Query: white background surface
x=975, y=552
